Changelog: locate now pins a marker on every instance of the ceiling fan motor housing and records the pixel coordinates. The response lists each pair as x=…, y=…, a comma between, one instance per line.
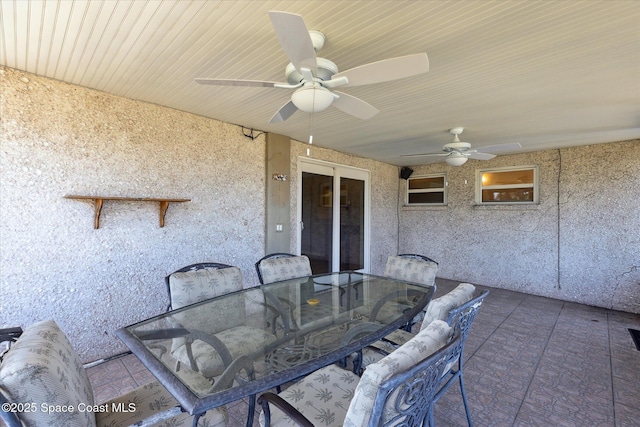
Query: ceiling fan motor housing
x=456, y=146
x=326, y=70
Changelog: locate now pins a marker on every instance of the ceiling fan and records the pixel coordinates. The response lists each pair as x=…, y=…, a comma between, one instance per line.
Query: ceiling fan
x=314, y=78
x=457, y=153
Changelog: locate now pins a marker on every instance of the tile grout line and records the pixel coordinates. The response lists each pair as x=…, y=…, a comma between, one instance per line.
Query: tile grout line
x=555, y=324
x=613, y=393
x=496, y=328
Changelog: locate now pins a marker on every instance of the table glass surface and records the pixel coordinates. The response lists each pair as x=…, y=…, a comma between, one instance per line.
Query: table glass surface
x=265, y=336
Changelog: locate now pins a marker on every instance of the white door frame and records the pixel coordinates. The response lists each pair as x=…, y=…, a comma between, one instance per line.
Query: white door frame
x=337, y=171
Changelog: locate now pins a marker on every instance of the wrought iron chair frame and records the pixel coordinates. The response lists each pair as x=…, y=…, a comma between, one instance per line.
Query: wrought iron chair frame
x=274, y=255
x=461, y=319
x=415, y=386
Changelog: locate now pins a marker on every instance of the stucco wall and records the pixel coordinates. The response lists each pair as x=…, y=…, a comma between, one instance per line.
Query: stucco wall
x=58, y=139
x=580, y=243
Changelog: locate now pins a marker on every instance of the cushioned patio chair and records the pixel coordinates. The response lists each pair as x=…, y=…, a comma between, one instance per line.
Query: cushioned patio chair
x=198, y=282
x=459, y=308
x=396, y=390
x=42, y=370
x=282, y=266
x=414, y=268
x=184, y=287
x=461, y=318
x=437, y=309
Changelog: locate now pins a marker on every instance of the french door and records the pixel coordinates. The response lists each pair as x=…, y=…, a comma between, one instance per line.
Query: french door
x=333, y=216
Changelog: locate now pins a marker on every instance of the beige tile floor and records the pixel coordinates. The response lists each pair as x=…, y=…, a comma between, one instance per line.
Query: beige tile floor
x=530, y=361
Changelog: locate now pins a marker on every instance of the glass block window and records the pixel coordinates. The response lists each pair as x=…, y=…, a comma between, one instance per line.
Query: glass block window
x=427, y=190
x=512, y=185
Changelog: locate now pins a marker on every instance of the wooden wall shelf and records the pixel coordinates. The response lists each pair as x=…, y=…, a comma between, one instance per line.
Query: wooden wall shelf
x=99, y=200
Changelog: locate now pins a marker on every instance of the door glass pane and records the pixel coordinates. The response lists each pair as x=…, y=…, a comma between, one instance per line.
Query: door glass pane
x=351, y=224
x=317, y=218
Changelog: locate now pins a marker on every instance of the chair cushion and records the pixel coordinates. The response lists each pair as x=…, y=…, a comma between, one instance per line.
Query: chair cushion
x=438, y=309
x=322, y=397
x=148, y=400
x=411, y=269
x=42, y=368
x=239, y=341
x=193, y=286
x=381, y=348
x=425, y=343
x=277, y=269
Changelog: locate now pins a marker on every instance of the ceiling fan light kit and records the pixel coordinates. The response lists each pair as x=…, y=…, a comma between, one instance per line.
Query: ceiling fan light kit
x=313, y=77
x=312, y=98
x=456, y=159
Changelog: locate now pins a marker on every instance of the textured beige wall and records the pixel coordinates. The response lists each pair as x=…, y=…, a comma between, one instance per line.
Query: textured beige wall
x=59, y=139
x=590, y=255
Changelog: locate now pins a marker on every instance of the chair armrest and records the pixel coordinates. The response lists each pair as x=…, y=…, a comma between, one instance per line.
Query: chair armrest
x=277, y=304
x=227, y=378
x=271, y=398
x=10, y=334
x=395, y=296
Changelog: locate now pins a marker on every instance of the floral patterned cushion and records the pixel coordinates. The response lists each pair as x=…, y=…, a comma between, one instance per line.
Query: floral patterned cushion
x=439, y=308
x=322, y=397
x=425, y=343
x=239, y=341
x=148, y=400
x=411, y=269
x=193, y=286
x=277, y=269
x=43, y=368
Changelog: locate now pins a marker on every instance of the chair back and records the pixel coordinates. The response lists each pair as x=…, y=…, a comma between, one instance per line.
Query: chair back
x=418, y=257
x=384, y=392
x=282, y=266
x=462, y=317
x=413, y=268
x=405, y=397
x=197, y=282
x=43, y=370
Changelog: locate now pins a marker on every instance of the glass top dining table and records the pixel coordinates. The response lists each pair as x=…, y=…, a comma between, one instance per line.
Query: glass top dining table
x=240, y=344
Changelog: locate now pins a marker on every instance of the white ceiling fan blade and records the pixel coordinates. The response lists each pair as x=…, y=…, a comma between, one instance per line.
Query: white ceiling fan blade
x=354, y=106
x=425, y=155
x=294, y=38
x=230, y=82
x=480, y=156
x=499, y=147
x=385, y=70
x=284, y=113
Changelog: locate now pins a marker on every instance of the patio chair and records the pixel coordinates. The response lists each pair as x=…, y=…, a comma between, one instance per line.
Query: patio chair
x=459, y=317
x=41, y=374
x=413, y=268
x=197, y=282
x=397, y=390
x=282, y=266
x=185, y=288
